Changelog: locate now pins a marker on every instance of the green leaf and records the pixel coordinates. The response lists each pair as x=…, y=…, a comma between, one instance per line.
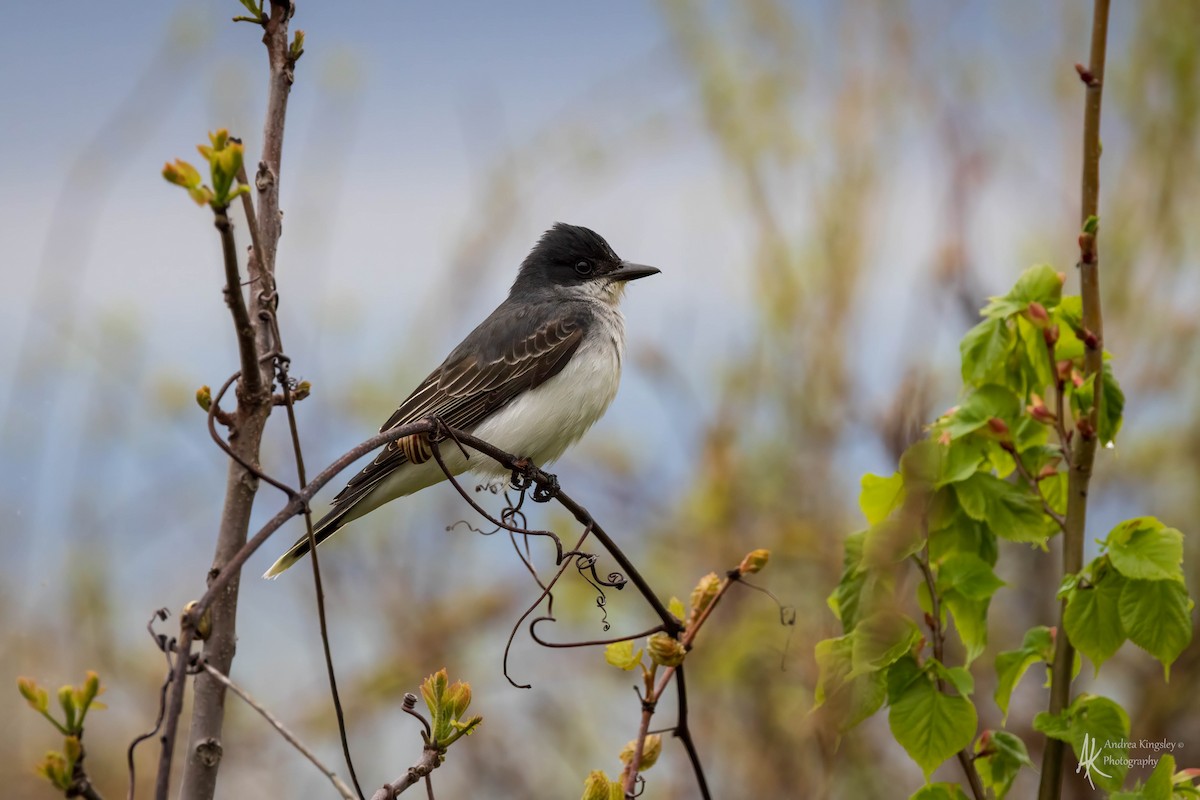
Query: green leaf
x=966, y=583
x=977, y=408
x=1011, y=511
x=1038, y=284
x=999, y=756
x=1157, y=617
x=1145, y=548
x=1035, y=365
x=880, y=639
x=880, y=496
x=984, y=351
x=621, y=654
x=959, y=462
x=959, y=533
x=1112, y=406
x=1159, y=786
x=970, y=620
x=892, y=540
x=848, y=700
x=968, y=575
x=940, y=791
x=929, y=725
x=1011, y=665
x=1105, y=724
x=958, y=677
x=676, y=608
x=1093, y=619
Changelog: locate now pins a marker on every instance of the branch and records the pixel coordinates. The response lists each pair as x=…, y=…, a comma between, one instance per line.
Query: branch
x=247, y=347
x=224, y=580
x=1047, y=509
x=81, y=782
x=1083, y=454
x=429, y=761
x=934, y=621
x=254, y=406
x=650, y=703
x=337, y=782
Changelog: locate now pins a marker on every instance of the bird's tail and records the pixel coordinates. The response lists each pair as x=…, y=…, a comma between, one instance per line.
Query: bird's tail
x=330, y=524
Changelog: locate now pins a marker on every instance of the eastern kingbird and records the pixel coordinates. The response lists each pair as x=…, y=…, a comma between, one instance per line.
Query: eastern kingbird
x=531, y=379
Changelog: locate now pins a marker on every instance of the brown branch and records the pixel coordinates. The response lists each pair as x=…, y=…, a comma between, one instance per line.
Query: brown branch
x=430, y=760
x=938, y=632
x=247, y=349
x=650, y=703
x=1034, y=484
x=221, y=580
x=342, y=789
x=1084, y=451
x=81, y=782
x=254, y=406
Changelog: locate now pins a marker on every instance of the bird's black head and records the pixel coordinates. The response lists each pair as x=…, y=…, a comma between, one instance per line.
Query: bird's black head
x=573, y=256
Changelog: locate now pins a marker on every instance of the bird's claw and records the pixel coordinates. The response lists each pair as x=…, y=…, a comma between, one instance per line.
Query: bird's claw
x=544, y=491
x=526, y=475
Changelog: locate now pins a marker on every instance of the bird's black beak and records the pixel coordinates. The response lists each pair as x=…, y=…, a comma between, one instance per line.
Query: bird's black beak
x=628, y=271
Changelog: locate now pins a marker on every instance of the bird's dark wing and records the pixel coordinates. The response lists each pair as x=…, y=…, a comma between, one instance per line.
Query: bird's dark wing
x=500, y=359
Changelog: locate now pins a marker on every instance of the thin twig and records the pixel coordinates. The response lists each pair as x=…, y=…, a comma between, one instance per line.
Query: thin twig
x=337, y=782
x=247, y=348
x=429, y=761
x=1034, y=484
x=938, y=632
x=650, y=703
x=1084, y=449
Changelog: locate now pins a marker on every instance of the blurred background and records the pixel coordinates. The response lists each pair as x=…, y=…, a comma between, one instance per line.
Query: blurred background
x=831, y=190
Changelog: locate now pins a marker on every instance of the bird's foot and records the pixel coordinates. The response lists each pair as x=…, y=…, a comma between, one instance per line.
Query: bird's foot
x=546, y=490
x=526, y=475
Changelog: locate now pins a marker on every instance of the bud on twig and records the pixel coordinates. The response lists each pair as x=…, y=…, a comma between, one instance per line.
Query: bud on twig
x=1036, y=313
x=704, y=593
x=754, y=561
x=1050, y=335
x=1037, y=409
x=665, y=650
x=1086, y=76
x=651, y=750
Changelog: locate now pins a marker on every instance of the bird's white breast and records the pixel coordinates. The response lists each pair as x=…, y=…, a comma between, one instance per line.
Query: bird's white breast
x=542, y=423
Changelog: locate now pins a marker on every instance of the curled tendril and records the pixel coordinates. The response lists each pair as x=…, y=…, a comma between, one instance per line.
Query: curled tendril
x=587, y=643
x=787, y=618
x=472, y=528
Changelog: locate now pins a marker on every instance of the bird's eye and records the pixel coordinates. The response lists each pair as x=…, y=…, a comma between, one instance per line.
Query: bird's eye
x=584, y=267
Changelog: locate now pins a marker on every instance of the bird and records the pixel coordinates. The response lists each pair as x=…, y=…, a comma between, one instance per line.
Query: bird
x=531, y=379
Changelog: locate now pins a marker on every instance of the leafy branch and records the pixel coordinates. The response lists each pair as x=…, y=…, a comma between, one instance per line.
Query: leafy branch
x=64, y=769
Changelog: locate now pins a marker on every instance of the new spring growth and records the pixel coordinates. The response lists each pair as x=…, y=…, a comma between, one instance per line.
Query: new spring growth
x=75, y=702
x=1038, y=410
x=58, y=768
x=224, y=156
x=650, y=752
x=296, y=49
x=447, y=703
x=754, y=561
x=703, y=594
x=665, y=650
x=599, y=787
x=1036, y=313
x=204, y=398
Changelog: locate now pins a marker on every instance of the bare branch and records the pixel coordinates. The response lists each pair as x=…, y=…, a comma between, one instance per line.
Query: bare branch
x=337, y=782
x=1083, y=454
x=429, y=761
